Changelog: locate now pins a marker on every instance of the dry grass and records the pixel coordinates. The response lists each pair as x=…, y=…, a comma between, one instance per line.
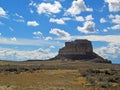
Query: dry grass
x=52, y=75
x=41, y=80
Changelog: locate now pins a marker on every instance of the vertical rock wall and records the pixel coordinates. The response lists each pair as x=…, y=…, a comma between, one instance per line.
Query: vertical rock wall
x=81, y=47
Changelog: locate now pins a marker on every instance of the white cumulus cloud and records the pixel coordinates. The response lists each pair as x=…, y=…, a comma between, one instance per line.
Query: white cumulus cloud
x=102, y=20
x=60, y=33
x=79, y=18
x=88, y=27
x=58, y=21
x=20, y=55
x=114, y=5
x=48, y=8
x=32, y=3
x=48, y=38
x=105, y=30
x=13, y=39
x=111, y=51
x=89, y=18
x=2, y=12
x=77, y=7
x=52, y=46
x=115, y=20
x=32, y=23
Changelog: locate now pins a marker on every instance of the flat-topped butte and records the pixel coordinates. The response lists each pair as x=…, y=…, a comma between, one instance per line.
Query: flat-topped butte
x=80, y=49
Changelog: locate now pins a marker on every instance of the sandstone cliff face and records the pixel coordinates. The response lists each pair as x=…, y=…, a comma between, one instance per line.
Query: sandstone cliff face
x=79, y=50
x=77, y=47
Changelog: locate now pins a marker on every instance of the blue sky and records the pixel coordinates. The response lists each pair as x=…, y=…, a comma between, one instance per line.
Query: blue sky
x=36, y=29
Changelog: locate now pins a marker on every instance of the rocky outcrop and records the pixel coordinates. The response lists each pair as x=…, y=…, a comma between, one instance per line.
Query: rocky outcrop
x=79, y=50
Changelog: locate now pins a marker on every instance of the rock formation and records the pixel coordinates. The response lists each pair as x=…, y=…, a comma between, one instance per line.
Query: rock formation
x=79, y=50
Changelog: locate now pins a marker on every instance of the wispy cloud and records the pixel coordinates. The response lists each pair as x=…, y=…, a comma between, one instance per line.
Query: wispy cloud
x=28, y=42
x=1, y=23
x=19, y=16
x=101, y=38
x=11, y=29
x=98, y=38
x=37, y=34
x=19, y=20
